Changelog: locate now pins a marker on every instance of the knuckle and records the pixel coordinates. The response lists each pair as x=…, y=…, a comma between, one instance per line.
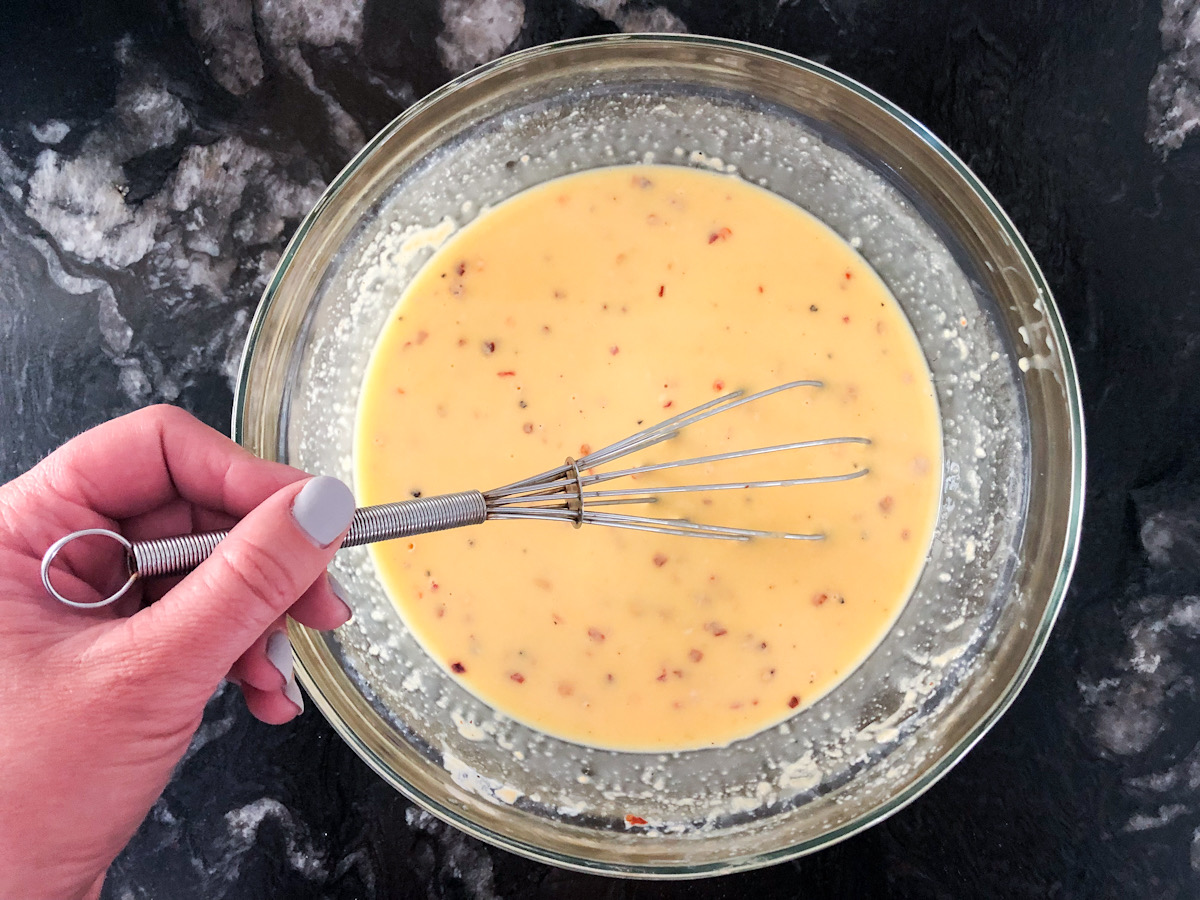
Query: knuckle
x=257, y=576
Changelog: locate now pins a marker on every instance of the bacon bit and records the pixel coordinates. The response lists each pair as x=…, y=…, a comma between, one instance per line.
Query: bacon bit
x=609, y=677
x=678, y=673
x=462, y=342
x=721, y=234
x=715, y=629
x=421, y=336
x=846, y=320
x=458, y=668
x=507, y=373
x=660, y=559
x=555, y=619
x=527, y=428
x=793, y=702
x=886, y=504
x=635, y=820
x=585, y=449
x=668, y=404
x=489, y=347
x=718, y=385
x=762, y=645
x=558, y=295
x=737, y=704
x=461, y=269
x=566, y=688
x=614, y=350
x=819, y=599
x=848, y=275
x=904, y=535
x=695, y=655
x=517, y=677
x=596, y=634
x=662, y=289
x=812, y=307
x=545, y=329
x=662, y=676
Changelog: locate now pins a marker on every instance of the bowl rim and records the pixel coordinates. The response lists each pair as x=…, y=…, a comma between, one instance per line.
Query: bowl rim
x=1074, y=511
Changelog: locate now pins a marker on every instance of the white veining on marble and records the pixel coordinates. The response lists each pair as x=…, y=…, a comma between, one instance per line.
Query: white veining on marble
x=224, y=30
x=634, y=18
x=467, y=859
x=243, y=826
x=477, y=31
x=221, y=211
x=51, y=131
x=1174, y=94
x=289, y=24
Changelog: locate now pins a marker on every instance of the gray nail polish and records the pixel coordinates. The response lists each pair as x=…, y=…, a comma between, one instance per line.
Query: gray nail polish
x=340, y=593
x=291, y=690
x=279, y=654
x=323, y=509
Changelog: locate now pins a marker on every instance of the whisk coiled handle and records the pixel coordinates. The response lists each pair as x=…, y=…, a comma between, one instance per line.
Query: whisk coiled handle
x=182, y=553
x=176, y=555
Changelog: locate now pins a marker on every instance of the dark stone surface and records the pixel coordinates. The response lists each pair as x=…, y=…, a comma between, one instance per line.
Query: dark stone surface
x=155, y=155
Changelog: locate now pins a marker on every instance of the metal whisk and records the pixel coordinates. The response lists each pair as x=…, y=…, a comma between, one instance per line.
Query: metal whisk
x=564, y=493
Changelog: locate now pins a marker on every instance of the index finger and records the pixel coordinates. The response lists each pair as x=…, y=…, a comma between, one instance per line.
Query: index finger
x=139, y=461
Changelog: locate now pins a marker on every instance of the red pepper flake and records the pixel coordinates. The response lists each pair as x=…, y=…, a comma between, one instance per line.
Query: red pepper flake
x=462, y=342
x=566, y=688
x=458, y=668
x=737, y=704
x=440, y=611
x=596, y=634
x=760, y=288
x=527, y=428
x=662, y=676
x=716, y=629
x=614, y=350
x=635, y=820
x=461, y=269
x=793, y=702
x=695, y=655
x=718, y=385
x=660, y=559
x=846, y=320
x=886, y=504
x=507, y=373
x=668, y=404
x=819, y=599
x=721, y=234
x=489, y=347
x=609, y=677
x=400, y=390
x=848, y=275
x=585, y=449
x=517, y=677
x=434, y=586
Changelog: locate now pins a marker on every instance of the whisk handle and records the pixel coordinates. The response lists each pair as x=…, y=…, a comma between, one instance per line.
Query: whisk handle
x=182, y=553
x=176, y=555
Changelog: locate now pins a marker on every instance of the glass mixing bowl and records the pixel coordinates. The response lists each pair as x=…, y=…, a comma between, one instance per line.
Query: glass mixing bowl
x=1013, y=460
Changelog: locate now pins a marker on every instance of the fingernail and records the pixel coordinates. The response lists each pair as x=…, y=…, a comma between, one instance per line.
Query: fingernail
x=279, y=654
x=323, y=509
x=291, y=690
x=336, y=590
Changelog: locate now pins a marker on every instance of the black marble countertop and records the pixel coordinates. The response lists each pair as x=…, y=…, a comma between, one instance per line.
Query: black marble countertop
x=155, y=156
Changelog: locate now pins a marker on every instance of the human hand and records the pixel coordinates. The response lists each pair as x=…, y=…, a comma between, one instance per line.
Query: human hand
x=97, y=706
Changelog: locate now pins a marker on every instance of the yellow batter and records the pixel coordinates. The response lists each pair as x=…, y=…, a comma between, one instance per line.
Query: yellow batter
x=584, y=310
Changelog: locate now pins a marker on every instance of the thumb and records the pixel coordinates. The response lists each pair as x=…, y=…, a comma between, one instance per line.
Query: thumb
x=268, y=560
